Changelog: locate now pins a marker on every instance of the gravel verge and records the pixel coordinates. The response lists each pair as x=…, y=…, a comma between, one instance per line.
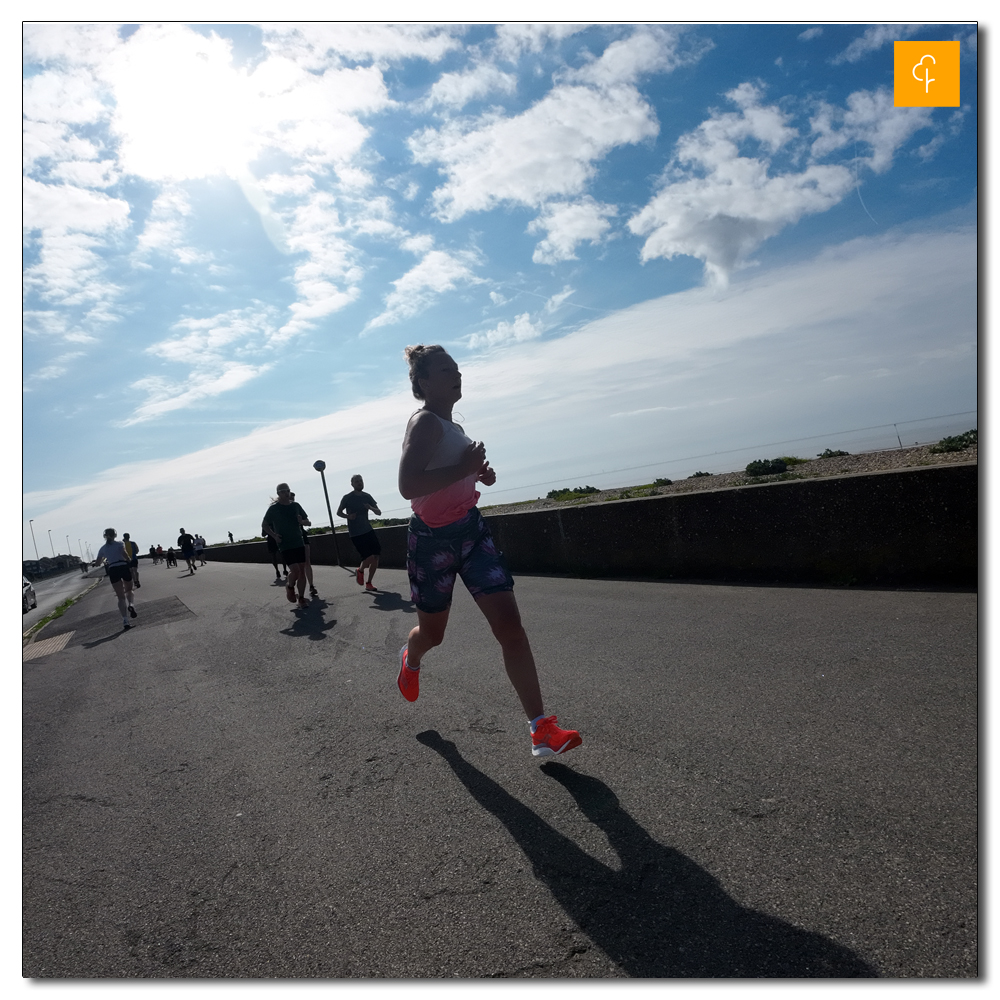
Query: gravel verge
x=840, y=465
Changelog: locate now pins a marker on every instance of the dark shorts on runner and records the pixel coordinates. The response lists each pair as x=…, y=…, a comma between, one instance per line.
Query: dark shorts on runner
x=116, y=573
x=367, y=544
x=187, y=553
x=434, y=556
x=293, y=556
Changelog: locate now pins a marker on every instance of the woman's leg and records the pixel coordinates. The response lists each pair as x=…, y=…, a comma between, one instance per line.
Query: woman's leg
x=505, y=621
x=428, y=633
x=119, y=589
x=371, y=564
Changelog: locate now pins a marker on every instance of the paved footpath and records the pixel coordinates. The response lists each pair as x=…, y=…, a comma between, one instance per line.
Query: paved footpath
x=774, y=782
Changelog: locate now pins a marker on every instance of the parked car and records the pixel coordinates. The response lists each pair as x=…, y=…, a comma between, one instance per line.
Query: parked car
x=28, y=599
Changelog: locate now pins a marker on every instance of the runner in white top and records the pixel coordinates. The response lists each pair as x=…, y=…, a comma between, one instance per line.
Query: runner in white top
x=116, y=561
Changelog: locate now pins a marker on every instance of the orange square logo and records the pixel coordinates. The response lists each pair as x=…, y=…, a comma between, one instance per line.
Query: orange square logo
x=926, y=75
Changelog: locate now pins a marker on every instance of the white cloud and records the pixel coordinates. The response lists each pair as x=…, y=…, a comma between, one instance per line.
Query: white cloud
x=328, y=279
x=57, y=367
x=870, y=118
x=547, y=151
x=513, y=39
x=164, y=231
x=880, y=304
x=504, y=334
x=873, y=39
x=437, y=273
x=320, y=44
x=62, y=208
x=717, y=205
x=809, y=34
x=568, y=224
x=88, y=173
x=164, y=396
x=455, y=90
x=215, y=349
x=647, y=50
x=555, y=301
x=69, y=270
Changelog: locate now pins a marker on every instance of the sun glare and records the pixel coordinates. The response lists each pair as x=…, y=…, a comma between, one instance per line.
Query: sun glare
x=183, y=111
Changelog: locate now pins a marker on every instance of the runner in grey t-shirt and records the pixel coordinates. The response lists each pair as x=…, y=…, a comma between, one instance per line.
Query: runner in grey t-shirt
x=355, y=506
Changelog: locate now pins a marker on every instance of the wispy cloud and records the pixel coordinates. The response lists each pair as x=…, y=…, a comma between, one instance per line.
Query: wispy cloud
x=438, y=272
x=216, y=350
x=873, y=39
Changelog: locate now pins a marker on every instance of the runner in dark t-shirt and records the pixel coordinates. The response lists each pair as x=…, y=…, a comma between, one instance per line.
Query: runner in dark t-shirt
x=186, y=543
x=282, y=523
x=355, y=506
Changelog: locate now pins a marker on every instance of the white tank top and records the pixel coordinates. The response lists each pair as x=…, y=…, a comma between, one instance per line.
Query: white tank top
x=455, y=501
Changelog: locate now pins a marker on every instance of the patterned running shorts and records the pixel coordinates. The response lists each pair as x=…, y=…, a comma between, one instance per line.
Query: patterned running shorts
x=434, y=556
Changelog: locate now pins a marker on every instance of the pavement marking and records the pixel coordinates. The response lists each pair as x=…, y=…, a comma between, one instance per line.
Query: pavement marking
x=45, y=646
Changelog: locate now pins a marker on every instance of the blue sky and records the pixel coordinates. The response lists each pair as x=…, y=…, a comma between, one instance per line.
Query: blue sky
x=653, y=249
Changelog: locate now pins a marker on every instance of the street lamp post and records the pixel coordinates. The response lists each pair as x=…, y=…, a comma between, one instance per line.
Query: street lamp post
x=319, y=466
x=69, y=548
x=51, y=546
x=31, y=528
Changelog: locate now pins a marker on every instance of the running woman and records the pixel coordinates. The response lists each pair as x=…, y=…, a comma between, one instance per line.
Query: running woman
x=306, y=523
x=283, y=523
x=116, y=561
x=354, y=508
x=438, y=472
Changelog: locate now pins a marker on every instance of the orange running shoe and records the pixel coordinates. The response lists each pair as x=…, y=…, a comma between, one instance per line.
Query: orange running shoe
x=359, y=576
x=408, y=680
x=548, y=739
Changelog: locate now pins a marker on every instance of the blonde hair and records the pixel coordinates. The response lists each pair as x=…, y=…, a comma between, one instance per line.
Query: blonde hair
x=417, y=358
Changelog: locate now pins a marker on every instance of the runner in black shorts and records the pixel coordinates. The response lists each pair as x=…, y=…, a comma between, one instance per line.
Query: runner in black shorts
x=305, y=522
x=354, y=506
x=272, y=550
x=448, y=537
x=283, y=522
x=116, y=561
x=186, y=543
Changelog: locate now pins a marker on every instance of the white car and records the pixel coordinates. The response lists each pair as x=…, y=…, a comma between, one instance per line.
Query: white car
x=28, y=599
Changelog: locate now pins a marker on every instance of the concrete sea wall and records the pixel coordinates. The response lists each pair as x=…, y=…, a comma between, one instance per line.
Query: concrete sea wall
x=912, y=527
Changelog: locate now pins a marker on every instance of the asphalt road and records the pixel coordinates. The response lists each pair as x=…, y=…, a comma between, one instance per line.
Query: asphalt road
x=774, y=782
x=51, y=591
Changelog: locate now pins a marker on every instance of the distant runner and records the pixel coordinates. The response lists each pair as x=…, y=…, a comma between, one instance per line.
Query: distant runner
x=272, y=551
x=305, y=523
x=282, y=522
x=199, y=548
x=116, y=561
x=438, y=472
x=354, y=507
x=132, y=551
x=186, y=543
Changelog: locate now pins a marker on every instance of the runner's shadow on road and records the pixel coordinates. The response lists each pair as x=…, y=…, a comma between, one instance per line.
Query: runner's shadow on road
x=661, y=915
x=107, y=638
x=390, y=600
x=309, y=622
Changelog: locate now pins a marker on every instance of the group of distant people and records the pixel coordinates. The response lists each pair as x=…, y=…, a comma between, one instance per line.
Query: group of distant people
x=283, y=527
x=194, y=544
x=447, y=537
